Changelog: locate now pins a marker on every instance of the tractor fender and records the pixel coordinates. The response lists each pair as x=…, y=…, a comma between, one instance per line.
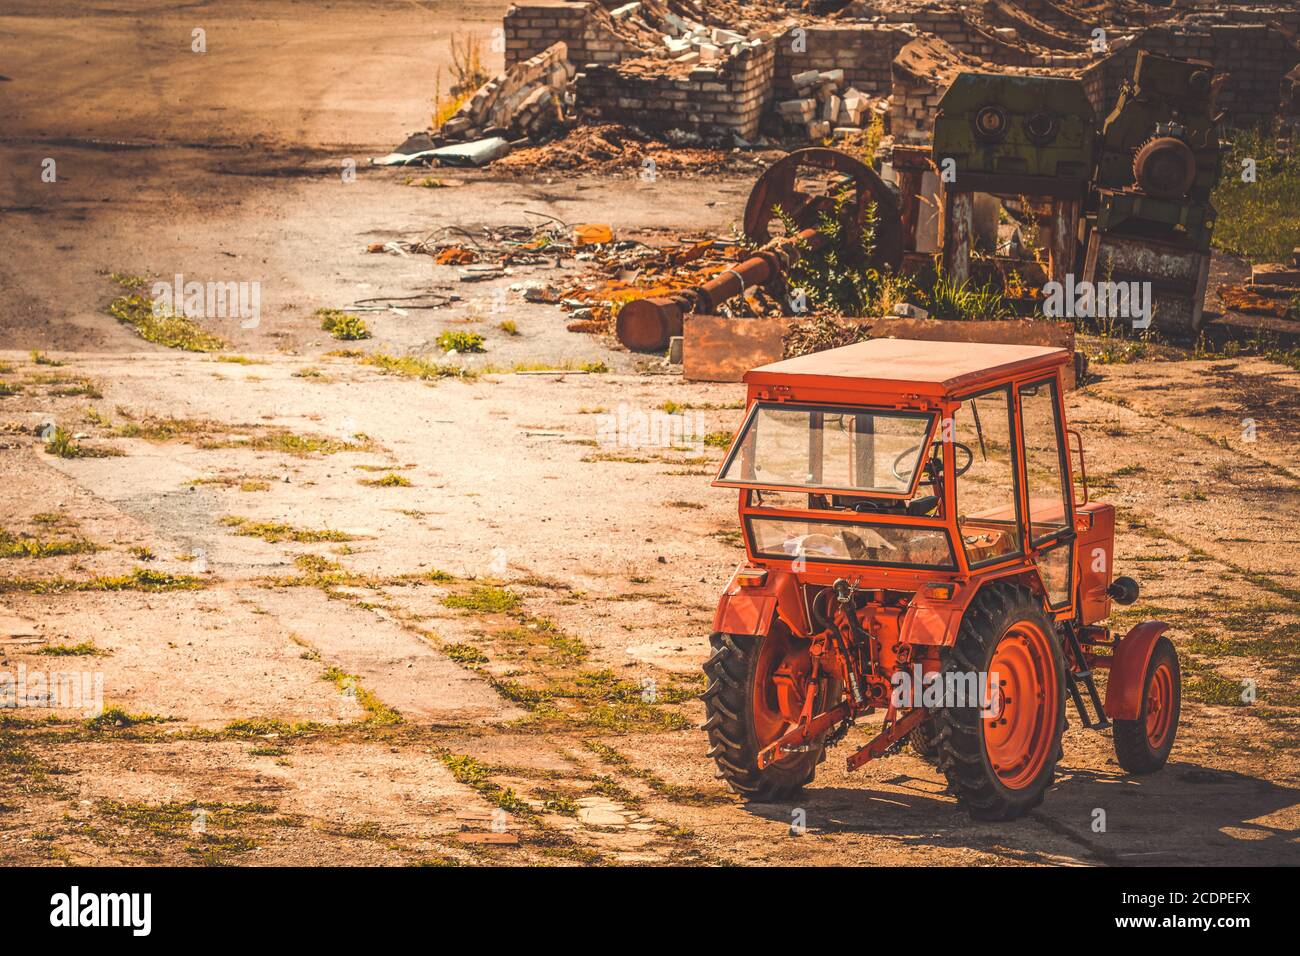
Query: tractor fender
x=934, y=622
x=1128, y=669
x=751, y=610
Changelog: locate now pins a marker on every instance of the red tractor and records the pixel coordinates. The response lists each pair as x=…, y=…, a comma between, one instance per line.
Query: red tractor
x=915, y=546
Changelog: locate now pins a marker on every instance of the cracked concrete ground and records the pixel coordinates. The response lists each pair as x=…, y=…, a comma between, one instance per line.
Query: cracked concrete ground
x=302, y=668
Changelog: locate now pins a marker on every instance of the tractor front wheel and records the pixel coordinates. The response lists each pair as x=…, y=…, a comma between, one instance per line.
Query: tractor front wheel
x=1000, y=753
x=1143, y=745
x=757, y=686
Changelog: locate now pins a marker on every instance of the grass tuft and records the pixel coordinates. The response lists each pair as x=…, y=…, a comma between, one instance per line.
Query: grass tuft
x=343, y=325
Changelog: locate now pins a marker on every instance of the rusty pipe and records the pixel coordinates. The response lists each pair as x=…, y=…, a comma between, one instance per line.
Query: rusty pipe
x=646, y=325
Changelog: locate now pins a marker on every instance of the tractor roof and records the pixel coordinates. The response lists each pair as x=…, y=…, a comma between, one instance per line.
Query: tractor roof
x=938, y=369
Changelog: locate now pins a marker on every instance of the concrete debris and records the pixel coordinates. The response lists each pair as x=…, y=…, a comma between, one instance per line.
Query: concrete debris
x=726, y=73
x=527, y=100
x=825, y=106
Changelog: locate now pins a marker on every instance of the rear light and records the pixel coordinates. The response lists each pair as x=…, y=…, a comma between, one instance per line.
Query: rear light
x=751, y=577
x=939, y=591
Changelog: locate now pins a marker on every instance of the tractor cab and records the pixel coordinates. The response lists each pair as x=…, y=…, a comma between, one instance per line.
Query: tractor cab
x=909, y=460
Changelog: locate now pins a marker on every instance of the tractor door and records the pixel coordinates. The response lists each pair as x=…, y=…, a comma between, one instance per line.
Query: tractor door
x=1048, y=491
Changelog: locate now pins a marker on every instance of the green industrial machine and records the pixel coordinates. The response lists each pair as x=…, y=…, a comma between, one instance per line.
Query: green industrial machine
x=1159, y=161
x=1130, y=202
x=1028, y=141
x=1014, y=135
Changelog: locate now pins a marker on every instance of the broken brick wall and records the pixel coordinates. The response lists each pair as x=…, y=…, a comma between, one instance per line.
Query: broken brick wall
x=951, y=24
x=864, y=51
x=1255, y=57
x=920, y=74
x=712, y=101
x=533, y=26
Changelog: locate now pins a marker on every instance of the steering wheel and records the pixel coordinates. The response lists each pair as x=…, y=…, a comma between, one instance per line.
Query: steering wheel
x=957, y=448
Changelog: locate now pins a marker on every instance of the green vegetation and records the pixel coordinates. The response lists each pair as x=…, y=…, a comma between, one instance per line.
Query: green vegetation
x=343, y=325
x=140, y=579
x=484, y=599
x=171, y=329
x=60, y=442
x=466, y=654
x=278, y=531
x=377, y=712
x=84, y=649
x=40, y=359
x=834, y=282
x=413, y=366
x=1259, y=220
x=456, y=341
x=26, y=546
x=470, y=772
x=390, y=480
x=509, y=327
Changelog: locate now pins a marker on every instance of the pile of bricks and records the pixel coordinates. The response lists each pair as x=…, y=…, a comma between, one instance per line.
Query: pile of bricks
x=824, y=107
x=526, y=100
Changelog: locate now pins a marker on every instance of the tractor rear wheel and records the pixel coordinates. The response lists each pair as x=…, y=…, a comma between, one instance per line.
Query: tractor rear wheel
x=757, y=686
x=924, y=741
x=1001, y=758
x=1143, y=745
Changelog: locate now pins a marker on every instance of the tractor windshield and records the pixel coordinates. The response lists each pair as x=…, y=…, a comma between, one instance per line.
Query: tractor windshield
x=828, y=448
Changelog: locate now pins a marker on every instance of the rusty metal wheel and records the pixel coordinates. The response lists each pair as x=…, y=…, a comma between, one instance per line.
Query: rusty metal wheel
x=804, y=185
x=1143, y=745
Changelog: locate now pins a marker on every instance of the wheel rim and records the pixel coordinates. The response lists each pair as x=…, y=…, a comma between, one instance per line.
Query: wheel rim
x=780, y=686
x=1160, y=701
x=1020, y=732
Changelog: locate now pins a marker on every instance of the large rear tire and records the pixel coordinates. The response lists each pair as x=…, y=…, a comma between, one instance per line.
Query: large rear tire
x=1143, y=745
x=1001, y=763
x=744, y=716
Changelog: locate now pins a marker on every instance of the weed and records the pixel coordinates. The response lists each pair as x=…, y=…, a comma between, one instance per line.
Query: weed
x=509, y=327
x=484, y=599
x=377, y=712
x=390, y=480
x=466, y=654
x=31, y=547
x=343, y=325
x=278, y=531
x=84, y=649
x=413, y=366
x=173, y=330
x=460, y=342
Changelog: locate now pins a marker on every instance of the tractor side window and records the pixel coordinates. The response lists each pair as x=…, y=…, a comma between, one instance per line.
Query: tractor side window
x=1044, y=485
x=986, y=487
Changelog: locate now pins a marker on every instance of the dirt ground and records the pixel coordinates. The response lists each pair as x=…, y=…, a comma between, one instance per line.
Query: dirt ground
x=301, y=667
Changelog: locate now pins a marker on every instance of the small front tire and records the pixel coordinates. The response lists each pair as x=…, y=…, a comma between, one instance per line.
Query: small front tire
x=1143, y=745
